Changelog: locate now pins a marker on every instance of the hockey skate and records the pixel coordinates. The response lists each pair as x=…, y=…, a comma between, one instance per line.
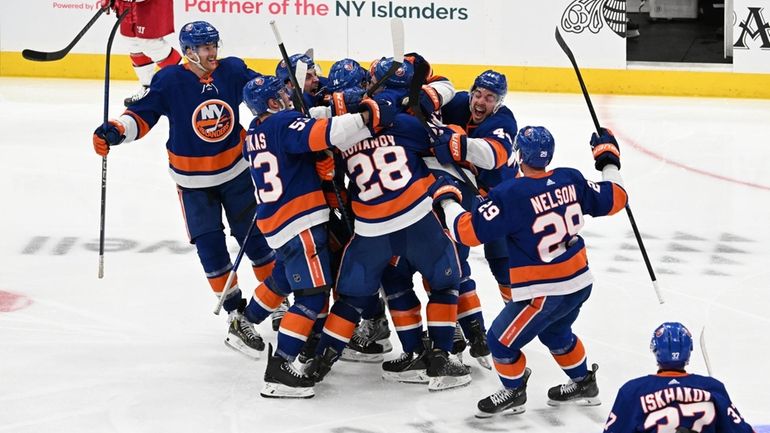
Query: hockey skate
x=583, y=393
x=478, y=343
x=308, y=349
x=282, y=380
x=278, y=314
x=504, y=399
x=242, y=336
x=458, y=342
x=359, y=349
x=377, y=330
x=320, y=365
x=136, y=97
x=445, y=372
x=407, y=368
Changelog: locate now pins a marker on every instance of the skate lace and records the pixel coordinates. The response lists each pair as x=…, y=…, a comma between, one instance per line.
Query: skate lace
x=568, y=388
x=359, y=339
x=501, y=396
x=366, y=329
x=289, y=368
x=246, y=328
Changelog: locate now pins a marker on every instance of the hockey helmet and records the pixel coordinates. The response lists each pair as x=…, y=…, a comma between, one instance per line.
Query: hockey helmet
x=399, y=80
x=197, y=33
x=535, y=145
x=282, y=71
x=672, y=345
x=261, y=89
x=346, y=74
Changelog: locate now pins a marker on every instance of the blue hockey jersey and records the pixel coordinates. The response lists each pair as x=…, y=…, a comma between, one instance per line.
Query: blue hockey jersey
x=389, y=180
x=205, y=136
x=667, y=400
x=540, y=218
x=499, y=130
x=288, y=188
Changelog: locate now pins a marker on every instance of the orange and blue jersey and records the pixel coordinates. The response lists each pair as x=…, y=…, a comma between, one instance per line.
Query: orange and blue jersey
x=205, y=135
x=389, y=180
x=497, y=130
x=674, y=399
x=540, y=218
x=288, y=189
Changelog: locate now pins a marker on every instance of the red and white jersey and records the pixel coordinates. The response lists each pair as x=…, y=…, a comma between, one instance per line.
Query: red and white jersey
x=389, y=180
x=148, y=19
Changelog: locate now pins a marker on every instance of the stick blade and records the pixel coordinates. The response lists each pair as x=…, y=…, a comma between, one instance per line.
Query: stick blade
x=40, y=56
x=300, y=73
x=397, y=36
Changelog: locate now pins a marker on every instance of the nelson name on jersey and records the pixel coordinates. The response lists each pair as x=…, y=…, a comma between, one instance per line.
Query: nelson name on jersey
x=370, y=143
x=551, y=199
x=664, y=397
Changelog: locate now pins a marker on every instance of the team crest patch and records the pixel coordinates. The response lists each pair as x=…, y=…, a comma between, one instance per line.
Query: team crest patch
x=213, y=120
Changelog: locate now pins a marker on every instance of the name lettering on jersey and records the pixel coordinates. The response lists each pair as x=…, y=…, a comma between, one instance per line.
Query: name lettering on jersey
x=370, y=143
x=213, y=120
x=255, y=142
x=551, y=199
x=664, y=397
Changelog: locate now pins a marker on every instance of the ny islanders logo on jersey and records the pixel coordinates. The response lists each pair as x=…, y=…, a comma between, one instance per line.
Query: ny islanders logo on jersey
x=213, y=120
x=593, y=15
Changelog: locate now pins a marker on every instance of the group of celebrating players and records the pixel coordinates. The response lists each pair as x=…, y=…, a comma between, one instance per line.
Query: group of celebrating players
x=361, y=179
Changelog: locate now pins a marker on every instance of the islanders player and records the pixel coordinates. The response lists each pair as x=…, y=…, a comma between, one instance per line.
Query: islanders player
x=292, y=212
x=540, y=216
x=201, y=99
x=394, y=217
x=673, y=400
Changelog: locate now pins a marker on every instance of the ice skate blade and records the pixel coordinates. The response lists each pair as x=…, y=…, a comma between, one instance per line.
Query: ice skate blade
x=238, y=345
x=277, y=390
x=582, y=401
x=353, y=356
x=507, y=412
x=444, y=383
x=414, y=376
x=484, y=362
x=387, y=346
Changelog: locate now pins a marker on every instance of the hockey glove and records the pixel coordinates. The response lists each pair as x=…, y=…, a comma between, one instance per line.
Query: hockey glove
x=445, y=188
x=382, y=113
x=605, y=149
x=452, y=145
x=324, y=166
x=330, y=195
x=347, y=101
x=111, y=134
x=430, y=100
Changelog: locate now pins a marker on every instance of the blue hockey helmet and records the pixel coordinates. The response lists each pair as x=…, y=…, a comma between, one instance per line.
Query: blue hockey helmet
x=672, y=345
x=197, y=33
x=282, y=71
x=346, y=74
x=399, y=80
x=261, y=89
x=535, y=145
x=493, y=81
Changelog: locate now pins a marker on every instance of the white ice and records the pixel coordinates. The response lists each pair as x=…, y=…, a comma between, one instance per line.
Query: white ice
x=141, y=351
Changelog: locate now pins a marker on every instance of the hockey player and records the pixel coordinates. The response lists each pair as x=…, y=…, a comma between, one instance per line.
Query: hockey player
x=145, y=28
x=201, y=99
x=540, y=215
x=312, y=94
x=672, y=399
x=292, y=211
x=394, y=218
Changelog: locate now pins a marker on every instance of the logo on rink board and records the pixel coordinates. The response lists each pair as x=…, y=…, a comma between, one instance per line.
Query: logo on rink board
x=593, y=15
x=755, y=26
x=213, y=120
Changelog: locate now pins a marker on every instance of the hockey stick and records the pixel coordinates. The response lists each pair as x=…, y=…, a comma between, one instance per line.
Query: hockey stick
x=231, y=276
x=703, y=350
x=397, y=37
x=299, y=104
x=631, y=219
x=102, y=215
x=42, y=56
